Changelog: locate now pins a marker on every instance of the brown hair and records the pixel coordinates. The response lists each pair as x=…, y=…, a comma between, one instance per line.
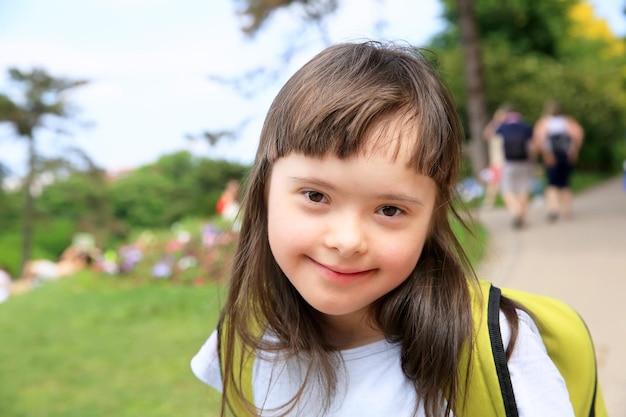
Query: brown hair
x=326, y=108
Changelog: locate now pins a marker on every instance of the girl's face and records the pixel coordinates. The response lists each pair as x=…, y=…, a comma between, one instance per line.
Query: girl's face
x=346, y=232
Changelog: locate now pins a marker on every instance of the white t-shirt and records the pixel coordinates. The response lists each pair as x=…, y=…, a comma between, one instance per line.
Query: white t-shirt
x=373, y=383
x=5, y=285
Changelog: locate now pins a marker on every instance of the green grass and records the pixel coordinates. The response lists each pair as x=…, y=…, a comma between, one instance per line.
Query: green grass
x=474, y=241
x=583, y=180
x=91, y=346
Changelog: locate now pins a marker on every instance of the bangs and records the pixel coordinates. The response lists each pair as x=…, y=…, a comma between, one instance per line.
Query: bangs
x=350, y=100
x=404, y=131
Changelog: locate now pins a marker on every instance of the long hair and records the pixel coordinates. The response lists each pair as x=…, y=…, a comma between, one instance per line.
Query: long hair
x=326, y=108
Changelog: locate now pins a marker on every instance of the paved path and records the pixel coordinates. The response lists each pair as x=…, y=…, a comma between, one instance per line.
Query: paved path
x=581, y=261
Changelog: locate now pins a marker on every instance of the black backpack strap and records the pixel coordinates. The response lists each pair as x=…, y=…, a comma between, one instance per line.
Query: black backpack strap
x=499, y=355
x=592, y=409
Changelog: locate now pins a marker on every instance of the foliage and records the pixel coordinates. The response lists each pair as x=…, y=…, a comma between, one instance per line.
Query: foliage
x=257, y=12
x=592, y=93
x=140, y=198
x=51, y=237
x=473, y=241
x=82, y=197
x=10, y=209
x=55, y=237
x=534, y=26
x=10, y=249
x=583, y=180
x=42, y=99
x=173, y=188
x=589, y=35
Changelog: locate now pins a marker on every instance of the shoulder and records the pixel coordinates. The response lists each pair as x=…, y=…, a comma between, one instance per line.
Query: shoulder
x=206, y=363
x=527, y=327
x=538, y=385
x=572, y=122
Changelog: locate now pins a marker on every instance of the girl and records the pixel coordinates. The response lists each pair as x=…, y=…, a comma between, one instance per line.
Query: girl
x=350, y=294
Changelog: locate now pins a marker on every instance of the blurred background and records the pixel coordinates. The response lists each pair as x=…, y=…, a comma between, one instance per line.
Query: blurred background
x=122, y=122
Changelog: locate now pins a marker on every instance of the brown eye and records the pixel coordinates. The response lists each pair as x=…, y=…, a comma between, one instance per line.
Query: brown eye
x=389, y=211
x=315, y=196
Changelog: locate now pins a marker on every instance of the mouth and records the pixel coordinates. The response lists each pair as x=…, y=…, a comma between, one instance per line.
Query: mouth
x=340, y=274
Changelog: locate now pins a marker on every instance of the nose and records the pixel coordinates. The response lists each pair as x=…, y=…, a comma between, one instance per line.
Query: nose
x=346, y=234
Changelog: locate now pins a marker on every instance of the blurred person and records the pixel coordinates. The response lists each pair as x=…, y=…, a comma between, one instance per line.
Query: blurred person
x=492, y=175
x=72, y=260
x=518, y=170
x=559, y=138
x=228, y=204
x=5, y=284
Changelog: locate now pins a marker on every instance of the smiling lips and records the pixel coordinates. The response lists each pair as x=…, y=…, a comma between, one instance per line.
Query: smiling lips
x=342, y=277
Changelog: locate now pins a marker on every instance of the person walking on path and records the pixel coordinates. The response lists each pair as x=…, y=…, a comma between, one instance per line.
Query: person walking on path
x=493, y=174
x=559, y=137
x=518, y=168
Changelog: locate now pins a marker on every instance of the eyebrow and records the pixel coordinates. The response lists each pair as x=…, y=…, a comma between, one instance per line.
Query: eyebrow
x=401, y=197
x=315, y=181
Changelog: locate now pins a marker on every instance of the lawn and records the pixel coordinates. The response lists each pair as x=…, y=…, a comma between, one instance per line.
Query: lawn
x=94, y=345
x=91, y=346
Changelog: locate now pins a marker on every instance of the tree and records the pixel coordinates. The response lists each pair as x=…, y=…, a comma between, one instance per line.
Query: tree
x=527, y=26
x=258, y=11
x=77, y=192
x=477, y=111
x=585, y=72
x=43, y=99
x=176, y=186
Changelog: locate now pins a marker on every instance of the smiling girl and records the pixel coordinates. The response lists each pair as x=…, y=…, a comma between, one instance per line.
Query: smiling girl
x=350, y=294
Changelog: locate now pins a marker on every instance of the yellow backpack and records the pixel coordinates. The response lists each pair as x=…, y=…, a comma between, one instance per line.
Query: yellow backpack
x=490, y=394
x=567, y=341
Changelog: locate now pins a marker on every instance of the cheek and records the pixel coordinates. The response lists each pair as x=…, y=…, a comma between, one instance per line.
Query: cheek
x=402, y=258
x=287, y=236
x=288, y=233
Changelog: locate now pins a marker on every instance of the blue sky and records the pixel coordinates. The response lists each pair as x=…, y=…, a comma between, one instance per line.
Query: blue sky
x=149, y=64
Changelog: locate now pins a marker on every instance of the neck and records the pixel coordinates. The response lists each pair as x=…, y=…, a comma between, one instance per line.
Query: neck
x=350, y=331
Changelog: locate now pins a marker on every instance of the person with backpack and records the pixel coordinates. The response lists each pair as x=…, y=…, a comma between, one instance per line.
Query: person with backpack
x=518, y=171
x=350, y=293
x=559, y=137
